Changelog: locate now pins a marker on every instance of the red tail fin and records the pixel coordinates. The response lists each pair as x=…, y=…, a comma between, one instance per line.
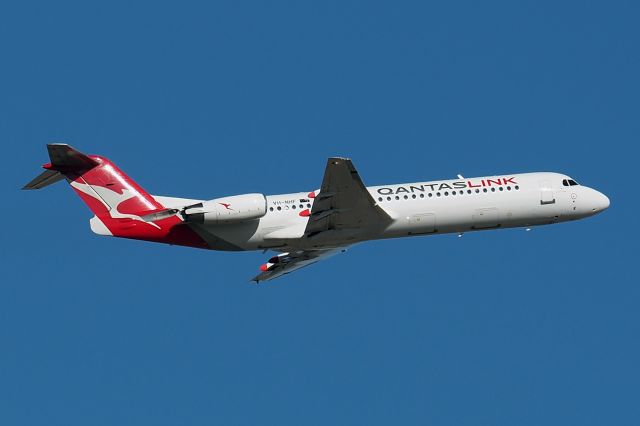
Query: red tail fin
x=116, y=200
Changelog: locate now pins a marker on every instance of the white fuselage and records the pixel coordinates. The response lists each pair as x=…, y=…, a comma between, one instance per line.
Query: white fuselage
x=421, y=208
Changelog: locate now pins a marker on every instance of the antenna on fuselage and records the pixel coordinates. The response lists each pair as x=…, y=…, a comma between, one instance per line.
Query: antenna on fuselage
x=460, y=177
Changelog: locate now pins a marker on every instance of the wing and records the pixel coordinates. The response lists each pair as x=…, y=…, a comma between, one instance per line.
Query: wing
x=344, y=203
x=343, y=210
x=285, y=263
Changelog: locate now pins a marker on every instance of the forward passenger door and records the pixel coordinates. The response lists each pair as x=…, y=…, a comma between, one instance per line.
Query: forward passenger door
x=547, y=194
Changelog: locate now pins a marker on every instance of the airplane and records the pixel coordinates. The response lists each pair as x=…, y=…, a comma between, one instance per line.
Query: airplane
x=306, y=227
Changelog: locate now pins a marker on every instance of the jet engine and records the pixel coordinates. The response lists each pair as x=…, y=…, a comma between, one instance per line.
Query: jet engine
x=237, y=208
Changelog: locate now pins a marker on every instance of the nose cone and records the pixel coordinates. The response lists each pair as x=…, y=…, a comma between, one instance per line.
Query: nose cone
x=599, y=202
x=604, y=200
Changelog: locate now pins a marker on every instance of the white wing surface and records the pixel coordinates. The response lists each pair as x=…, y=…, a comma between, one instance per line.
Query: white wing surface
x=285, y=263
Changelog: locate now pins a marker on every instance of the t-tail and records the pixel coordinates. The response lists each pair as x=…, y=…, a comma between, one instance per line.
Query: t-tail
x=120, y=205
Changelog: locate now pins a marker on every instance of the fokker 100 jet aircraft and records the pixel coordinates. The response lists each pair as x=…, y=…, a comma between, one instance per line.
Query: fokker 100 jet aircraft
x=306, y=227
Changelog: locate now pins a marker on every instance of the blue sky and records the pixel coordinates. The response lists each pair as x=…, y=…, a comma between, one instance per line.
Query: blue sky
x=215, y=98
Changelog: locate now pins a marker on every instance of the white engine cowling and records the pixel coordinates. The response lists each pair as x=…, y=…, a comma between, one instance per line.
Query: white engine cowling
x=237, y=208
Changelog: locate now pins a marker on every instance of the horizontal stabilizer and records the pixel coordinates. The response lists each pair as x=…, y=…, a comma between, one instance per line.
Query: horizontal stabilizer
x=66, y=158
x=45, y=178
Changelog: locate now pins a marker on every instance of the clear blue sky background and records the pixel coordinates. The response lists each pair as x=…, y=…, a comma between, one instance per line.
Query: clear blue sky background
x=216, y=98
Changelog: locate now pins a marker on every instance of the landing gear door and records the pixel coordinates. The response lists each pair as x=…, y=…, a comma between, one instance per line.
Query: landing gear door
x=486, y=218
x=547, y=194
x=422, y=223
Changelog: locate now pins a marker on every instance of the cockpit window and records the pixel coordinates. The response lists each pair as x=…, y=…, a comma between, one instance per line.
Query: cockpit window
x=569, y=182
x=565, y=182
x=572, y=182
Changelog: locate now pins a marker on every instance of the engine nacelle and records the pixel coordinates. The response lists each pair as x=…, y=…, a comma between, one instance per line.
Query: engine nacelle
x=237, y=208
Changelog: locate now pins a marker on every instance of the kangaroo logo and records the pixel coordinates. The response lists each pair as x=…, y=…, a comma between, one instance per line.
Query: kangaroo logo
x=226, y=205
x=111, y=200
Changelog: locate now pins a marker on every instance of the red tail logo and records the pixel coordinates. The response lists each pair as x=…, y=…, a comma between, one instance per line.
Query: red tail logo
x=118, y=202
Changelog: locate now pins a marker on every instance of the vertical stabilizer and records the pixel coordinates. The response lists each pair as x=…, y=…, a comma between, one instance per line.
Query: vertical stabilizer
x=116, y=200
